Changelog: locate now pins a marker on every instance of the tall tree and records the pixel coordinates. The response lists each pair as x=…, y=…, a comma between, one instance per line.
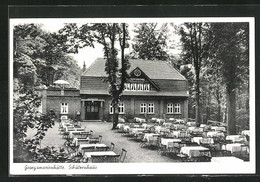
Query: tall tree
x=230, y=51
x=195, y=51
x=109, y=35
x=150, y=42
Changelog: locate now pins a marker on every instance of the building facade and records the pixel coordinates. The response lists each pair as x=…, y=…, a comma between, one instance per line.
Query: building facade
x=63, y=102
x=154, y=89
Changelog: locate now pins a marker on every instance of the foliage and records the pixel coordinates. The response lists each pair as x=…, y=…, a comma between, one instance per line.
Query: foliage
x=37, y=55
x=150, y=43
x=195, y=50
x=230, y=54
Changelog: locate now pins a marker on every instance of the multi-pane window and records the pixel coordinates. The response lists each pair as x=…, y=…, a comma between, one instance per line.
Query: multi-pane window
x=64, y=108
x=151, y=108
x=121, y=108
x=170, y=108
x=177, y=108
x=137, y=86
x=142, y=108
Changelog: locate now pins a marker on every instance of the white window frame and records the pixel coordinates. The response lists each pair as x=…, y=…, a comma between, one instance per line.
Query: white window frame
x=170, y=108
x=150, y=108
x=111, y=111
x=177, y=108
x=121, y=106
x=64, y=108
x=142, y=108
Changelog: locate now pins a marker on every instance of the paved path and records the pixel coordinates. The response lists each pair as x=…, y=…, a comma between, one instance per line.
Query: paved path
x=134, y=152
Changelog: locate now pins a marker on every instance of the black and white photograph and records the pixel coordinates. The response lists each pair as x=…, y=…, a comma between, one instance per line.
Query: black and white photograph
x=132, y=96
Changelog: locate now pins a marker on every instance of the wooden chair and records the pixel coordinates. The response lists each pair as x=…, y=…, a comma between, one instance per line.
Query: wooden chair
x=112, y=146
x=122, y=156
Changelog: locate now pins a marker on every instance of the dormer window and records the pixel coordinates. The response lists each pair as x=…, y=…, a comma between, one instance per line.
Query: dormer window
x=137, y=86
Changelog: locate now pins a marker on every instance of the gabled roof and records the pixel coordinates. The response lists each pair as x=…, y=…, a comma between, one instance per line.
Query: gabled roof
x=153, y=69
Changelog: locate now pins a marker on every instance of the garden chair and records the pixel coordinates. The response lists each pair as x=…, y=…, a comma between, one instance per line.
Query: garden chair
x=112, y=146
x=122, y=156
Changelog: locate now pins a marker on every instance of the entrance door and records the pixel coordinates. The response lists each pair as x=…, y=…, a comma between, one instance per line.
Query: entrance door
x=92, y=110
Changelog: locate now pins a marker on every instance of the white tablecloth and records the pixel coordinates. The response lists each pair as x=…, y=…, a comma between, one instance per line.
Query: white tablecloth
x=167, y=124
x=126, y=128
x=193, y=151
x=215, y=134
x=178, y=133
x=206, y=141
x=148, y=136
x=166, y=141
x=119, y=125
x=88, y=154
x=71, y=133
x=76, y=141
x=245, y=132
x=218, y=128
x=160, y=120
x=228, y=159
x=136, y=130
x=196, y=139
x=191, y=123
x=232, y=147
x=82, y=146
x=236, y=138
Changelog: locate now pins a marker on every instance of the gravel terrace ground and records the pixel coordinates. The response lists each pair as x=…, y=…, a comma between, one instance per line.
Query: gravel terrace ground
x=134, y=152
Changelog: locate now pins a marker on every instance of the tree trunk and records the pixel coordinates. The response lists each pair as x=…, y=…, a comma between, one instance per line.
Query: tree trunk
x=197, y=114
x=115, y=115
x=231, y=104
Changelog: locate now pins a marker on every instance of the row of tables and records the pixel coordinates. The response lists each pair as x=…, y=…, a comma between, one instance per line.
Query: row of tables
x=178, y=131
x=83, y=145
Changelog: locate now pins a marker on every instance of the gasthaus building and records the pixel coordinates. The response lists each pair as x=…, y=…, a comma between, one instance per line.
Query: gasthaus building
x=155, y=90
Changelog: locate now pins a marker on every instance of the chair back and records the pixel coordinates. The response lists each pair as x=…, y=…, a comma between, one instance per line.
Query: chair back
x=112, y=146
x=99, y=138
x=123, y=155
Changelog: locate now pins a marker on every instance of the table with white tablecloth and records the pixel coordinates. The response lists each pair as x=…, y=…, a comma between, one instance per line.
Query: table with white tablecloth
x=160, y=120
x=119, y=125
x=245, y=132
x=149, y=136
x=95, y=145
x=136, y=130
x=228, y=160
x=179, y=133
x=234, y=147
x=215, y=134
x=193, y=151
x=218, y=128
x=236, y=138
x=87, y=155
x=196, y=139
x=76, y=141
x=166, y=141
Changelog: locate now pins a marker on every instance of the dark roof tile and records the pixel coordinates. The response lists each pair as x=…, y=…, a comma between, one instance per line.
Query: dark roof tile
x=153, y=69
